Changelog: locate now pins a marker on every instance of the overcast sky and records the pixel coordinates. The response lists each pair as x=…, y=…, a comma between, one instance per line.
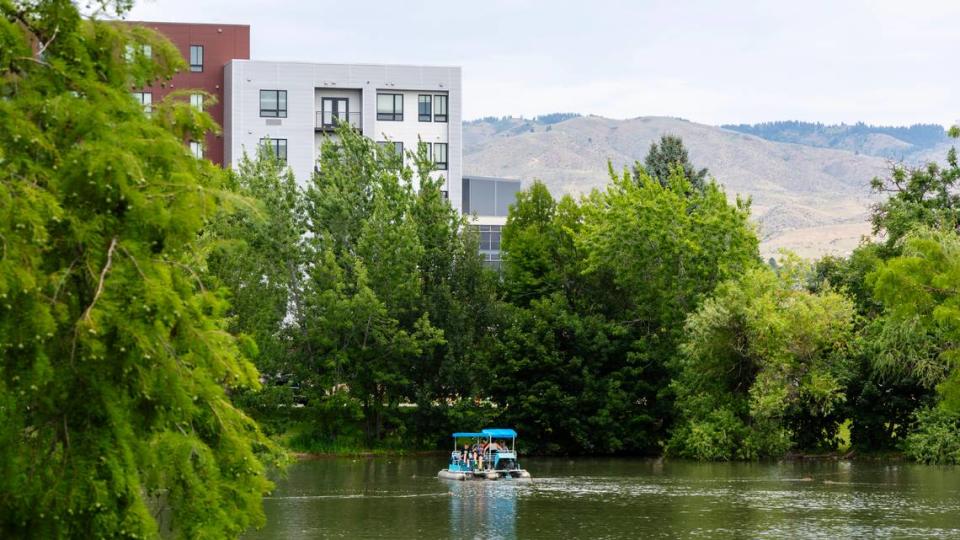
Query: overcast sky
x=723, y=61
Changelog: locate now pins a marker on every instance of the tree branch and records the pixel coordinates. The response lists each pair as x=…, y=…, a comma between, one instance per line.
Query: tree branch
x=103, y=276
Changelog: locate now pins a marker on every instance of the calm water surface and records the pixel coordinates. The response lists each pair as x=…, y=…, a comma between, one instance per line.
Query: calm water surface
x=401, y=498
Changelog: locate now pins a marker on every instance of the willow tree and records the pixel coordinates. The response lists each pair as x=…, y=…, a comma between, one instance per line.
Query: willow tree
x=115, y=365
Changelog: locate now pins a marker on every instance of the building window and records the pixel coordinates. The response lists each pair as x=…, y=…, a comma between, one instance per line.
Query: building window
x=493, y=261
x=333, y=111
x=277, y=146
x=440, y=108
x=489, y=237
x=390, y=107
x=273, y=103
x=440, y=156
x=397, y=146
x=196, y=101
x=196, y=58
x=196, y=148
x=489, y=246
x=425, y=107
x=145, y=99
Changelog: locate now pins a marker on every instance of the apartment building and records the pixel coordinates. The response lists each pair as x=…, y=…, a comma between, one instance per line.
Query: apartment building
x=487, y=201
x=293, y=106
x=207, y=49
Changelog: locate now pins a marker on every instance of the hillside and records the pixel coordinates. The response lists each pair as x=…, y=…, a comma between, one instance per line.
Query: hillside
x=899, y=143
x=808, y=199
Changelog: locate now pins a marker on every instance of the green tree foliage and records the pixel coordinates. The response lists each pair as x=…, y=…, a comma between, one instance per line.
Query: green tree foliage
x=459, y=296
x=259, y=256
x=563, y=372
x=935, y=437
x=363, y=296
x=925, y=196
x=117, y=360
x=664, y=247
x=763, y=366
x=569, y=381
x=662, y=159
x=883, y=396
x=598, y=293
x=920, y=290
x=900, y=359
x=538, y=242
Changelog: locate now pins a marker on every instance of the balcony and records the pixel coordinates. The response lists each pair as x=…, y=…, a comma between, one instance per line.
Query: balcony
x=328, y=120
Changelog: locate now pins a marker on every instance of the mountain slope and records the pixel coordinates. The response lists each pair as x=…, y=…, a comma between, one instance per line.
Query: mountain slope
x=900, y=143
x=811, y=200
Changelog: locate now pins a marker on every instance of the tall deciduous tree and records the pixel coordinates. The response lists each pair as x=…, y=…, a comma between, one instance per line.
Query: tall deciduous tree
x=258, y=253
x=924, y=196
x=363, y=300
x=920, y=290
x=763, y=365
x=117, y=362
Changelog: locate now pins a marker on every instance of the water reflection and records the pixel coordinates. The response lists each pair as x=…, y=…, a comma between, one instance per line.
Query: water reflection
x=483, y=509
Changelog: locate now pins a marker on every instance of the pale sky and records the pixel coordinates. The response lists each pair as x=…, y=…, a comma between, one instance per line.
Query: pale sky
x=722, y=61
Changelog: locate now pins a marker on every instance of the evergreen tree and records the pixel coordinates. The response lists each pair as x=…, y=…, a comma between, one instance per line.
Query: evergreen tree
x=663, y=158
x=117, y=360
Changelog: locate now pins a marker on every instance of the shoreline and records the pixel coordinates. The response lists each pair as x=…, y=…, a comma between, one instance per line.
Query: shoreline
x=852, y=455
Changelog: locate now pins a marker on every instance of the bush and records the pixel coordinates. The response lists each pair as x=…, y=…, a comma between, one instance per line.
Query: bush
x=723, y=436
x=934, y=437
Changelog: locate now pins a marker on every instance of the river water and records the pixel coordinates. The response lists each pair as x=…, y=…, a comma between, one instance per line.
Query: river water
x=401, y=498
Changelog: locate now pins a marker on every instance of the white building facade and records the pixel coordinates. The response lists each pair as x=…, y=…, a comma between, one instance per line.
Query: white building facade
x=293, y=106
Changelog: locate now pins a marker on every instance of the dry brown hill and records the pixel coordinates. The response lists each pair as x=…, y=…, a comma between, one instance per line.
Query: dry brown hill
x=810, y=200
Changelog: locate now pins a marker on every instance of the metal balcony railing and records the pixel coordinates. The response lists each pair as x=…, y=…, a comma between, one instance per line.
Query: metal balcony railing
x=329, y=120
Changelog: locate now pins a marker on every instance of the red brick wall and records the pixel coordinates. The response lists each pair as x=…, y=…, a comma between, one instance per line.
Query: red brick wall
x=221, y=43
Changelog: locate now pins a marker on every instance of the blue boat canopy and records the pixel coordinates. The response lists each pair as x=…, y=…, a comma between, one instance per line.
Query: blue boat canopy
x=463, y=435
x=500, y=433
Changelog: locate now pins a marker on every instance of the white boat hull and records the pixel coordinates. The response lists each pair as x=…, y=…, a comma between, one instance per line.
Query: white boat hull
x=445, y=474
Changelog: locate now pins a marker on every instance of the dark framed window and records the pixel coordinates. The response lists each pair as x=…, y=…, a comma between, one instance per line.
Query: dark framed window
x=334, y=111
x=440, y=156
x=273, y=103
x=440, y=108
x=196, y=58
x=145, y=99
x=390, y=107
x=425, y=107
x=277, y=146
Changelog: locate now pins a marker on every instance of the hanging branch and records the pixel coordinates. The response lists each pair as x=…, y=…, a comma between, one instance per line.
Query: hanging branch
x=103, y=276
